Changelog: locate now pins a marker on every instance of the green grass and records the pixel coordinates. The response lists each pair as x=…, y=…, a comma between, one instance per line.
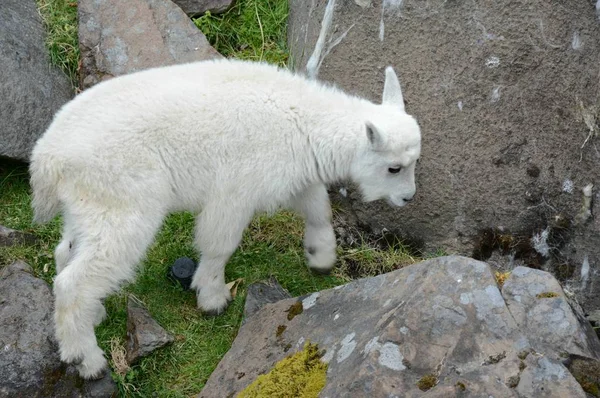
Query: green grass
x=60, y=20
x=252, y=29
x=272, y=246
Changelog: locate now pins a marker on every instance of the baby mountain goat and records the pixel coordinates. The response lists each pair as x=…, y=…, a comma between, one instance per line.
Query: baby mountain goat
x=224, y=139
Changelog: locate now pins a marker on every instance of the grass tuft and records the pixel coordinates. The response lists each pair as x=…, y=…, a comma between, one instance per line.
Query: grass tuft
x=60, y=20
x=252, y=29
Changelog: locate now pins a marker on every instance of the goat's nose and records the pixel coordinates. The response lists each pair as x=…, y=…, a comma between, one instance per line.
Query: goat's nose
x=408, y=199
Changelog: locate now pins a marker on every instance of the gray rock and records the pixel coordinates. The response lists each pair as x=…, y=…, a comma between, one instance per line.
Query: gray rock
x=443, y=318
x=198, y=7
x=539, y=306
x=262, y=293
x=144, y=334
x=29, y=362
x=31, y=89
x=506, y=95
x=117, y=38
x=10, y=237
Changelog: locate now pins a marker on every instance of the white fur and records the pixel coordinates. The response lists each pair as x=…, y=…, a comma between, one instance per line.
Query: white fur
x=224, y=139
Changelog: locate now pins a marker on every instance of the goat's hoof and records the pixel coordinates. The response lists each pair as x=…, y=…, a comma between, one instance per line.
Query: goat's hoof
x=322, y=271
x=213, y=302
x=214, y=312
x=73, y=361
x=93, y=366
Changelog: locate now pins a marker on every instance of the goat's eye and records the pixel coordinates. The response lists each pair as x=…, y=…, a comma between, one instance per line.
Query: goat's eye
x=394, y=170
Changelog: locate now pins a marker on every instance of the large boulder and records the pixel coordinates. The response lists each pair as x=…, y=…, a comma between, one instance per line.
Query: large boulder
x=507, y=95
x=29, y=361
x=441, y=326
x=117, y=37
x=31, y=89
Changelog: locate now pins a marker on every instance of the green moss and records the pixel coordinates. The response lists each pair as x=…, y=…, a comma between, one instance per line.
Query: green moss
x=300, y=375
x=295, y=309
x=62, y=42
x=587, y=374
x=523, y=354
x=280, y=330
x=522, y=366
x=501, y=277
x=547, y=295
x=590, y=388
x=461, y=386
x=427, y=382
x=492, y=359
x=513, y=381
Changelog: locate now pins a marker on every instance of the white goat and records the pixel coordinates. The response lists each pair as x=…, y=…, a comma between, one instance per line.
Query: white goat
x=224, y=139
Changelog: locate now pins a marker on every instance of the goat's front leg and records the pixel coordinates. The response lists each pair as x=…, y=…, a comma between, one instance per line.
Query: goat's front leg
x=319, y=238
x=219, y=230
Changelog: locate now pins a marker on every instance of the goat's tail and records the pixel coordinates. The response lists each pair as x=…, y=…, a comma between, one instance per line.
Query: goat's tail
x=45, y=174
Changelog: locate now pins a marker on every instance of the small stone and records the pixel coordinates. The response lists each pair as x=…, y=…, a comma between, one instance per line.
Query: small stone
x=198, y=7
x=262, y=293
x=104, y=387
x=10, y=237
x=144, y=334
x=182, y=271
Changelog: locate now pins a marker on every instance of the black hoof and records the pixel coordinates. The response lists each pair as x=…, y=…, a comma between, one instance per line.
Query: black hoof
x=322, y=271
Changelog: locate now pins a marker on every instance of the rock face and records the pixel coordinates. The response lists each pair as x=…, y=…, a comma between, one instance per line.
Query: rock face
x=198, y=7
x=144, y=334
x=29, y=362
x=30, y=88
x=507, y=95
x=440, y=326
x=118, y=37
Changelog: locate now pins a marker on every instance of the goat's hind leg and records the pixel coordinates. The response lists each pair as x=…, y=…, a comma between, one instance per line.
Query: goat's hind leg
x=319, y=238
x=105, y=257
x=65, y=248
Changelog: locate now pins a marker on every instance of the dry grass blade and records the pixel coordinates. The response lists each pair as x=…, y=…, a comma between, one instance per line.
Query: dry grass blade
x=118, y=355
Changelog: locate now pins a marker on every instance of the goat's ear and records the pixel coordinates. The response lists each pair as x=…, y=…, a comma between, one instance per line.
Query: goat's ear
x=392, y=92
x=375, y=137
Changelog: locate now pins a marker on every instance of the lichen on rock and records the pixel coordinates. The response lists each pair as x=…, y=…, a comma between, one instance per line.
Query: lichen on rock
x=302, y=374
